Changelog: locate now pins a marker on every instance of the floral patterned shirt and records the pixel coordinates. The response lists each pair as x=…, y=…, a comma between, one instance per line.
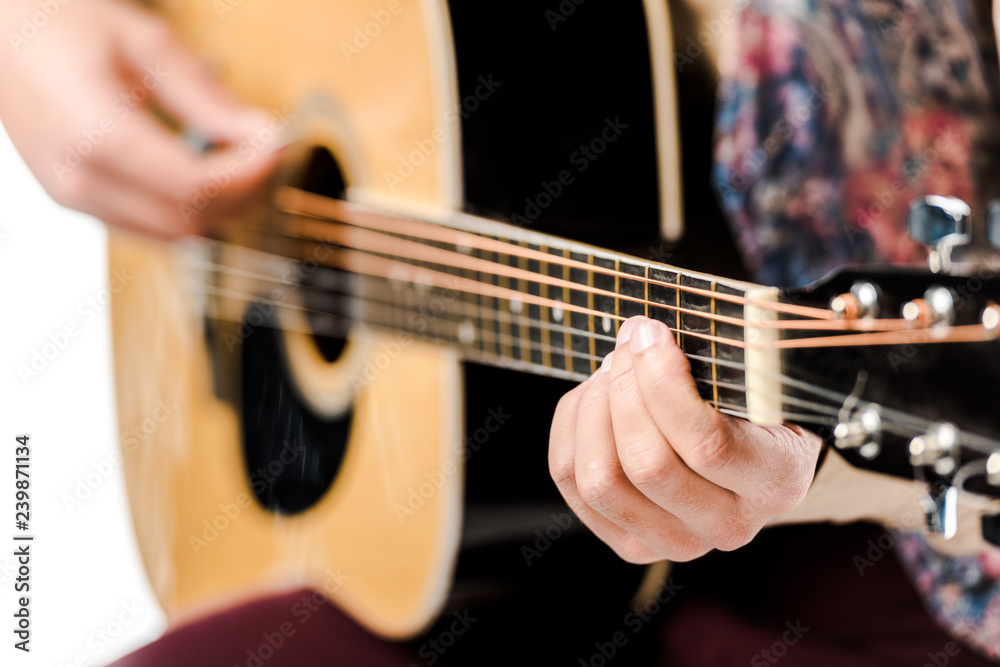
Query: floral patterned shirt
x=833, y=115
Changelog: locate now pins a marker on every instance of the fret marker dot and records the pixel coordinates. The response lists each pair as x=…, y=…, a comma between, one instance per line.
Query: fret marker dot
x=516, y=307
x=466, y=333
x=557, y=314
x=606, y=324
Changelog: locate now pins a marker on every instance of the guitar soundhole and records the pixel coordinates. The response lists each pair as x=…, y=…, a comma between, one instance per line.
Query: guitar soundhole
x=322, y=176
x=292, y=456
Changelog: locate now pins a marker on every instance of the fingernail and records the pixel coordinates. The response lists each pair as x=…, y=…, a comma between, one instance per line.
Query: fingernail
x=646, y=335
x=605, y=365
x=626, y=329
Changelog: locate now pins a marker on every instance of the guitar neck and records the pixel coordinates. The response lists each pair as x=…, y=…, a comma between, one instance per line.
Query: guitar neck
x=509, y=296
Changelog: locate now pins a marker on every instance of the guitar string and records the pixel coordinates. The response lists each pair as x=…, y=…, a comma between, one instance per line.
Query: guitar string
x=389, y=269
x=340, y=327
x=894, y=420
x=400, y=249
x=359, y=262
x=327, y=209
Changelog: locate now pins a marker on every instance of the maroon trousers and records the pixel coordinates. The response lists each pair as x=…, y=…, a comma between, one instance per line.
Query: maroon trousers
x=793, y=597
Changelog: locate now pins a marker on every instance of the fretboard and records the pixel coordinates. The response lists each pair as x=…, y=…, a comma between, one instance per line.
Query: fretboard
x=508, y=296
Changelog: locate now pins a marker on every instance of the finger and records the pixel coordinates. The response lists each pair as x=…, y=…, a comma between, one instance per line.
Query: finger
x=604, y=486
x=562, y=467
x=181, y=84
x=145, y=151
x=649, y=462
x=697, y=432
x=123, y=204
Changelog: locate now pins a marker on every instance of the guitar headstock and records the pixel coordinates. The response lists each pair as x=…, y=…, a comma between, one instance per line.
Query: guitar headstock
x=901, y=375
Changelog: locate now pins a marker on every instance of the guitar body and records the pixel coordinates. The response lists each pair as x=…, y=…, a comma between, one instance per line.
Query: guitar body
x=254, y=459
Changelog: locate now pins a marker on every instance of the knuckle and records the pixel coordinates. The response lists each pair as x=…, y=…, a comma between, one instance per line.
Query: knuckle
x=647, y=466
x=712, y=452
x=732, y=534
x=561, y=469
x=600, y=487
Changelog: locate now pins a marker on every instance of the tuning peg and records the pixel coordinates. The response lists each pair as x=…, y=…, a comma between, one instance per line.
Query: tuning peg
x=863, y=431
x=940, y=223
x=937, y=448
x=861, y=302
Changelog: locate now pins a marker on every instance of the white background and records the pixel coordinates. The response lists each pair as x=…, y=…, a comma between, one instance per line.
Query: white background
x=86, y=574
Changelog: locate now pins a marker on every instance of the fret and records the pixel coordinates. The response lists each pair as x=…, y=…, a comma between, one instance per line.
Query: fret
x=557, y=316
x=636, y=289
x=581, y=340
x=732, y=380
x=484, y=328
x=518, y=312
x=677, y=302
x=605, y=304
x=645, y=289
x=663, y=293
x=695, y=345
x=715, y=367
x=539, y=353
x=505, y=326
x=501, y=342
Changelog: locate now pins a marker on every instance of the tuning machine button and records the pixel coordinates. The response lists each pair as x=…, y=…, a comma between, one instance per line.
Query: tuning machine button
x=935, y=309
x=862, y=432
x=940, y=223
x=861, y=301
x=937, y=448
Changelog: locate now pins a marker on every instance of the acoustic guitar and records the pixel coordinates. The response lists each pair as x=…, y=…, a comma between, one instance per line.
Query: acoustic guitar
x=290, y=391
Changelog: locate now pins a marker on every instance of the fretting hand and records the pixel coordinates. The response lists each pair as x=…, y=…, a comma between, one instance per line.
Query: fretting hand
x=657, y=473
